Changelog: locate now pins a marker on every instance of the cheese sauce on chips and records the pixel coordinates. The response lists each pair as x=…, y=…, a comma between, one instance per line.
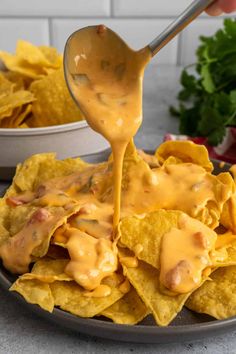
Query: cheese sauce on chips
x=189, y=247
x=81, y=211
x=91, y=259
x=164, y=188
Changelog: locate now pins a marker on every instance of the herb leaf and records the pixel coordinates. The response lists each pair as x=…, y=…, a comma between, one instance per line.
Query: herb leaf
x=208, y=95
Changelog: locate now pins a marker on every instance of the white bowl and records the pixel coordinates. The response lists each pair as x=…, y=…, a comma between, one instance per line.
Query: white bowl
x=67, y=140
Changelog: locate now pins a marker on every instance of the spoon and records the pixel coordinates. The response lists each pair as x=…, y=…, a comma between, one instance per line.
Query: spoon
x=84, y=40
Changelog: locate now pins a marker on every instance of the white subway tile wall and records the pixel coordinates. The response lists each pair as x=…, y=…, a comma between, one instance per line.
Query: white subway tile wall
x=138, y=22
x=55, y=8
x=149, y=8
x=33, y=30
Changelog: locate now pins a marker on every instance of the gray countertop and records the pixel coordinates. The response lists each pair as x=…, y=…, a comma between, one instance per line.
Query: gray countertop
x=23, y=332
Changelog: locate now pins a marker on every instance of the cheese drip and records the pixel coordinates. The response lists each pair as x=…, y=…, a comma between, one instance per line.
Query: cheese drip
x=106, y=77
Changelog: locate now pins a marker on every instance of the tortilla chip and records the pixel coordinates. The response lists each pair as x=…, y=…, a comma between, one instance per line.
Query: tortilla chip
x=27, y=172
x=129, y=310
x=216, y=297
x=148, y=231
x=42, y=167
x=4, y=221
x=34, y=286
x=226, y=249
x=8, y=121
x=48, y=271
x=31, y=54
x=42, y=65
x=17, y=118
x=35, y=292
x=145, y=280
x=171, y=160
x=54, y=104
x=6, y=86
x=31, y=61
x=23, y=126
x=53, y=57
x=228, y=216
x=20, y=82
x=16, y=99
x=50, y=267
x=53, y=168
x=15, y=64
x=69, y=296
x=19, y=216
x=184, y=151
x=22, y=116
x=44, y=271
x=61, y=216
x=5, y=210
x=230, y=259
x=37, y=241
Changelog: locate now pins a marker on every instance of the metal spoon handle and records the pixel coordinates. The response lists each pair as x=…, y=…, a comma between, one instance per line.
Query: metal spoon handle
x=187, y=16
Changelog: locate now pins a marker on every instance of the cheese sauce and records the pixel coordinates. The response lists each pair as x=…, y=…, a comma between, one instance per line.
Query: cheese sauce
x=106, y=78
x=125, y=286
x=91, y=259
x=100, y=291
x=16, y=252
x=130, y=262
x=164, y=188
x=185, y=253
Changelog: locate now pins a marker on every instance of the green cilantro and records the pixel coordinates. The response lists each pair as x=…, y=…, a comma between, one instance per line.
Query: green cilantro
x=208, y=96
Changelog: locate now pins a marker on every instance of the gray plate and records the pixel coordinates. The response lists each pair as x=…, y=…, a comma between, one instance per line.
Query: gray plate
x=186, y=326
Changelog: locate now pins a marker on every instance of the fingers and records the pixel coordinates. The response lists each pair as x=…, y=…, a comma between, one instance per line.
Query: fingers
x=227, y=5
x=214, y=9
x=220, y=6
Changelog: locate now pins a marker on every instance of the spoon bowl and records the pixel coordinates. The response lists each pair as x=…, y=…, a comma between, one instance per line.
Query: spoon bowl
x=103, y=75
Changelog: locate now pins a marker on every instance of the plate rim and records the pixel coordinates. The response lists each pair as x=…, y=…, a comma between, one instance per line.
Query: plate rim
x=122, y=332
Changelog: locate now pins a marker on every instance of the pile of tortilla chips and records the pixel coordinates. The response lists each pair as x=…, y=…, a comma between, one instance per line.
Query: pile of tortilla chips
x=136, y=290
x=33, y=92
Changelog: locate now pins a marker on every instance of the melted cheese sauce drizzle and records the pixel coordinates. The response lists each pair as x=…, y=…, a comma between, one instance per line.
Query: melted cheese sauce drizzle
x=125, y=286
x=101, y=290
x=130, y=262
x=91, y=259
x=164, y=188
x=189, y=247
x=106, y=76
